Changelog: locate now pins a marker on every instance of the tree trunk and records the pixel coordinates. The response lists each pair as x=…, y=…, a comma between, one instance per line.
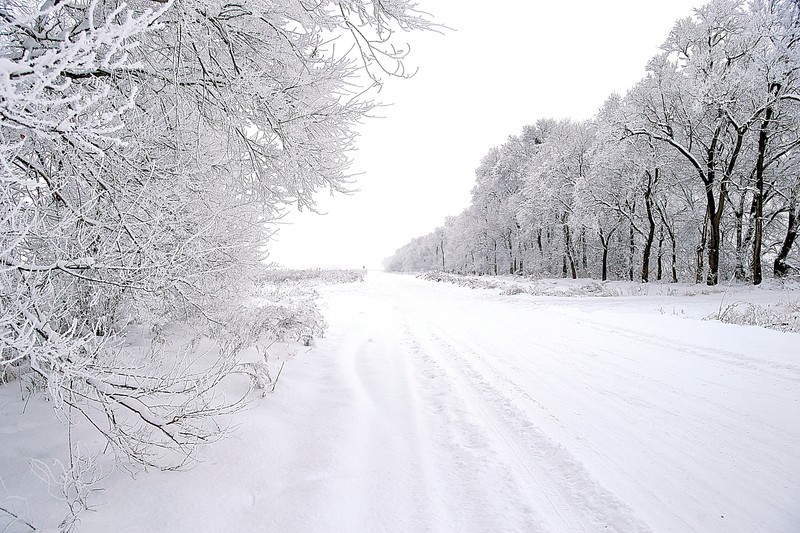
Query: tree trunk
x=671, y=233
x=512, y=259
x=584, y=260
x=763, y=137
x=700, y=250
x=631, y=251
x=604, y=241
x=568, y=253
x=717, y=208
x=781, y=268
x=660, y=257
x=739, y=271
x=715, y=237
x=651, y=229
x=714, y=241
x=674, y=260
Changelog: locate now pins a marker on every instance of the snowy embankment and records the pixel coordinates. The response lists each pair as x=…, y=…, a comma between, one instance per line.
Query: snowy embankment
x=430, y=406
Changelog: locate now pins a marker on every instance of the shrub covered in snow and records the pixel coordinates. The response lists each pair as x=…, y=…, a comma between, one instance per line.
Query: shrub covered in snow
x=511, y=285
x=160, y=388
x=312, y=276
x=784, y=316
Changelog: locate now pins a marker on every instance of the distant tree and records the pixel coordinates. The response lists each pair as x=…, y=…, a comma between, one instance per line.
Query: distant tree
x=549, y=188
x=693, y=171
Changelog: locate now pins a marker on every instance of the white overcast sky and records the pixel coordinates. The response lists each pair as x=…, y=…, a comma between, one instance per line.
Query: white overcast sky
x=507, y=63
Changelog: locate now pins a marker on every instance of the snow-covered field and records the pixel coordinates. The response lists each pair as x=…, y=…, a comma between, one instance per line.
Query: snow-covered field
x=434, y=407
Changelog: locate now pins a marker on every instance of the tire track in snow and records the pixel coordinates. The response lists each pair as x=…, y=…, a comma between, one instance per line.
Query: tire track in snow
x=746, y=366
x=678, y=408
x=547, y=468
x=487, y=365
x=675, y=413
x=399, y=487
x=483, y=494
x=672, y=432
x=782, y=371
x=415, y=434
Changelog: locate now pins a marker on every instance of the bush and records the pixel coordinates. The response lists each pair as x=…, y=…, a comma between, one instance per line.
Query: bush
x=782, y=317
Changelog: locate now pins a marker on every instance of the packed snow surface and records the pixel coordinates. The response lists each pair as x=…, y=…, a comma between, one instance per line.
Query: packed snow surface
x=434, y=407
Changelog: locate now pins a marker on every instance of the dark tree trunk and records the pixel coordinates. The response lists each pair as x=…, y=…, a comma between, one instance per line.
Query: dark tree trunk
x=660, y=257
x=711, y=222
x=568, y=253
x=652, y=179
x=674, y=259
x=758, y=195
x=671, y=233
x=604, y=241
x=701, y=251
x=739, y=271
x=584, y=253
x=781, y=268
x=717, y=208
x=713, y=249
x=512, y=259
x=631, y=251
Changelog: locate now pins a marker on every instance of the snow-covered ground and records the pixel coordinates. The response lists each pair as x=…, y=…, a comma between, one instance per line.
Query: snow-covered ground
x=434, y=407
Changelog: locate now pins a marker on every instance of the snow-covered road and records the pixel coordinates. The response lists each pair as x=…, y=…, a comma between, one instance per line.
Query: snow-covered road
x=431, y=407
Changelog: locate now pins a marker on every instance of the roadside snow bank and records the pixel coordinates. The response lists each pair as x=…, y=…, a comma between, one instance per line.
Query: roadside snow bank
x=773, y=304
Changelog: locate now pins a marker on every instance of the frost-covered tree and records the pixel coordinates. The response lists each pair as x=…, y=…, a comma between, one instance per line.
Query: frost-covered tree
x=692, y=173
x=605, y=199
x=775, y=113
x=144, y=148
x=712, y=96
x=548, y=191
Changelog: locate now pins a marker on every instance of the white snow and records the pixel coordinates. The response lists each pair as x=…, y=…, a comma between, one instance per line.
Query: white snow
x=433, y=407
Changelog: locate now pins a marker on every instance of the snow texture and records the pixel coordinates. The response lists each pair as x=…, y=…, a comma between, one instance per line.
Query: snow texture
x=434, y=407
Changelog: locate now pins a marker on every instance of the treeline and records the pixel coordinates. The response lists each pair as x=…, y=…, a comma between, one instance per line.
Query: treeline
x=693, y=175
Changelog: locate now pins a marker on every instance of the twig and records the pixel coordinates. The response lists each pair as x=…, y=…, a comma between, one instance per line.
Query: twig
x=277, y=377
x=17, y=518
